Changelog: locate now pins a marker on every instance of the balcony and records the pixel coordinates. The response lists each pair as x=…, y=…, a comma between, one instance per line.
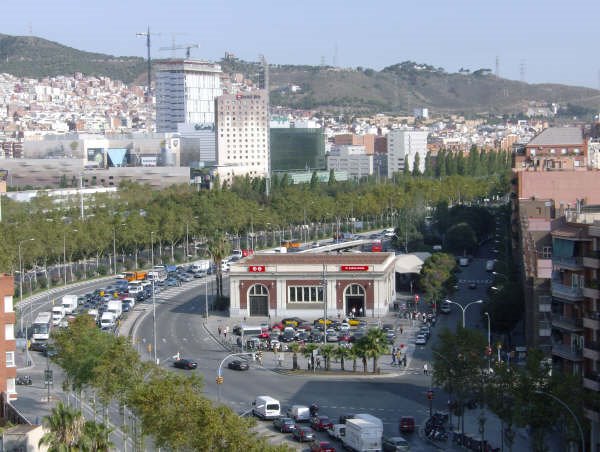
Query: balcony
x=568, y=263
x=592, y=259
x=567, y=352
x=591, y=292
x=567, y=323
x=591, y=380
x=591, y=350
x=565, y=292
x=591, y=321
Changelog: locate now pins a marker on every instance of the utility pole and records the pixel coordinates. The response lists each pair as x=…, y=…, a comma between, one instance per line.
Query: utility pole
x=147, y=34
x=324, y=283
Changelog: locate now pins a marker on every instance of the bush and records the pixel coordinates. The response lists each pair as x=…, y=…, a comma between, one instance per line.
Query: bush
x=103, y=270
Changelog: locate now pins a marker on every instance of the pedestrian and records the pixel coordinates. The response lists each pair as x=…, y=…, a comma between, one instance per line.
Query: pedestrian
x=360, y=312
x=401, y=330
x=220, y=331
x=318, y=362
x=404, y=360
x=425, y=369
x=393, y=356
x=225, y=334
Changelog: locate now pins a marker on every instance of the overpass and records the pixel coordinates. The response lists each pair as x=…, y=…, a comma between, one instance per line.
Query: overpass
x=339, y=246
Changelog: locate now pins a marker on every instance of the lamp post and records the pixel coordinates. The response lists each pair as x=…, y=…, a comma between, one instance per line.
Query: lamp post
x=153, y=298
x=464, y=308
x=21, y=283
x=565, y=406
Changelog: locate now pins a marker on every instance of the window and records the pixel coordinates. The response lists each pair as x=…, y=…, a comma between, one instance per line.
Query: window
x=8, y=303
x=563, y=151
x=547, y=252
x=10, y=386
x=305, y=294
x=10, y=359
x=9, y=332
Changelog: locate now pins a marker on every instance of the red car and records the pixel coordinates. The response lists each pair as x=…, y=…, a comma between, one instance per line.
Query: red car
x=320, y=423
x=407, y=424
x=321, y=446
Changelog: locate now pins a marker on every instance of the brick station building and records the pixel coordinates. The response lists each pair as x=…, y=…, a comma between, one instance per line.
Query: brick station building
x=311, y=285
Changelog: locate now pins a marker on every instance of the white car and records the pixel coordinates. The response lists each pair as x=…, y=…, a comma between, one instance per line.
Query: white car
x=445, y=308
x=421, y=339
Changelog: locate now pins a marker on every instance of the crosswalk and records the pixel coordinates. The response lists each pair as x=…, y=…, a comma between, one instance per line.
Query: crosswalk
x=476, y=281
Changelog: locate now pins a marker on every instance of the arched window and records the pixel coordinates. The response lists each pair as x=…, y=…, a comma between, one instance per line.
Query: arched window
x=355, y=289
x=259, y=289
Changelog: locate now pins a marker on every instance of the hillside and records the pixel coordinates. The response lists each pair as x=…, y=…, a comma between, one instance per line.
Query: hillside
x=398, y=89
x=33, y=57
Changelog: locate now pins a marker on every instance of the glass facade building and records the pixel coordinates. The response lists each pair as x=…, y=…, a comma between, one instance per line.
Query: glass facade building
x=297, y=149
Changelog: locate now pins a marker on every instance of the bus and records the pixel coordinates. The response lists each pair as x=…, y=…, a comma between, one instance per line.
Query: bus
x=42, y=326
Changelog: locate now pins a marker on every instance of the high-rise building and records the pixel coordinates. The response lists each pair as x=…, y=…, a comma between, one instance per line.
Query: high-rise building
x=243, y=135
x=185, y=93
x=403, y=146
x=352, y=159
x=8, y=369
x=295, y=149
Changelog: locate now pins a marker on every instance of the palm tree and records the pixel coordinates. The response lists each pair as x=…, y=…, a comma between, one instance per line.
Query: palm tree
x=96, y=437
x=294, y=347
x=327, y=351
x=362, y=347
x=342, y=352
x=219, y=248
x=65, y=427
x=307, y=351
x=375, y=344
x=354, y=354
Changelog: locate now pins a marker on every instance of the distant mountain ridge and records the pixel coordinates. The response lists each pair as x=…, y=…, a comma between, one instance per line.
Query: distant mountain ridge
x=396, y=89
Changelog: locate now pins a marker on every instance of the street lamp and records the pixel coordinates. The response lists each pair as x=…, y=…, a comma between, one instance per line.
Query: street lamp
x=552, y=396
x=464, y=308
x=153, y=297
x=21, y=268
x=489, y=349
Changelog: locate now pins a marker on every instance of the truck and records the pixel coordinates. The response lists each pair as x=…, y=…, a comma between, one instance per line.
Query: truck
x=158, y=274
x=266, y=407
x=489, y=266
x=107, y=321
x=201, y=266
x=135, y=275
x=362, y=435
x=58, y=313
x=116, y=307
x=69, y=302
x=337, y=431
x=299, y=413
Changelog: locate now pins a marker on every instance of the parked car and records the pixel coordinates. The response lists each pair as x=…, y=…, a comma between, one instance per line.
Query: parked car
x=321, y=321
x=37, y=346
x=406, y=424
x=303, y=434
x=284, y=424
x=238, y=364
x=445, y=308
x=185, y=363
x=320, y=423
x=321, y=446
x=473, y=285
x=421, y=339
x=395, y=444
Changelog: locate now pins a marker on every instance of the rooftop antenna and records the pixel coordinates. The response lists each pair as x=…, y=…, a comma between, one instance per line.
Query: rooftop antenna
x=497, y=66
x=335, y=55
x=147, y=34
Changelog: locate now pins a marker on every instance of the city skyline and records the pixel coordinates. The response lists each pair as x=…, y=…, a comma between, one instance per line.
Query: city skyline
x=539, y=42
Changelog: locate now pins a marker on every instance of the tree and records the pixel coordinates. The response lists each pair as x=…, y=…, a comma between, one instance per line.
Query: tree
x=314, y=181
x=373, y=345
x=332, y=180
x=219, y=248
x=307, y=352
x=416, y=170
x=461, y=239
x=327, y=351
x=353, y=355
x=95, y=437
x=341, y=352
x=294, y=347
x=436, y=275
x=65, y=428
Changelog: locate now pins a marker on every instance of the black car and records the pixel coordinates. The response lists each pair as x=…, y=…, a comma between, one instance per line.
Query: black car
x=185, y=363
x=38, y=346
x=284, y=424
x=238, y=364
x=303, y=434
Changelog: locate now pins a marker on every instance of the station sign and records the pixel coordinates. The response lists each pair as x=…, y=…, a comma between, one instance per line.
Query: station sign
x=257, y=268
x=354, y=268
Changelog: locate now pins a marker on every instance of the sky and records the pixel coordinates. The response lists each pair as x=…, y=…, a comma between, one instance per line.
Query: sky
x=539, y=41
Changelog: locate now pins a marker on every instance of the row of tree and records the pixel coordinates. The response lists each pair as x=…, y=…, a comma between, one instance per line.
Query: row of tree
x=520, y=395
x=171, y=408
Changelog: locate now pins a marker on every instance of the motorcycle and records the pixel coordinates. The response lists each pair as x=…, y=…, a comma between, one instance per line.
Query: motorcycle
x=24, y=380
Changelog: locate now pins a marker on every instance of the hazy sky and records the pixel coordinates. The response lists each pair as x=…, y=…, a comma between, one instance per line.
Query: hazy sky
x=552, y=40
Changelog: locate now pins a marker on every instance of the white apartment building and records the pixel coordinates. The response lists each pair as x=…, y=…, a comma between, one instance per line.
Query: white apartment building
x=403, y=145
x=185, y=93
x=352, y=159
x=243, y=134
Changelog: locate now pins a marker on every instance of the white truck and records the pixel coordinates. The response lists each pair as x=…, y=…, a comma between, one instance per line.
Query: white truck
x=362, y=436
x=201, y=266
x=337, y=431
x=107, y=321
x=299, y=413
x=58, y=313
x=115, y=307
x=69, y=302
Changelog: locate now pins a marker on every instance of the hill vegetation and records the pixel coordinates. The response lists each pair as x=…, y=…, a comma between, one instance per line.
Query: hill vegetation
x=395, y=89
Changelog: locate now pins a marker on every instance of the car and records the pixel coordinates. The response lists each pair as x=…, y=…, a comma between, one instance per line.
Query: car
x=292, y=321
x=185, y=277
x=37, y=346
x=321, y=321
x=185, y=363
x=473, y=285
x=303, y=434
x=238, y=364
x=352, y=322
x=50, y=351
x=406, y=424
x=320, y=423
x=394, y=444
x=321, y=446
x=421, y=339
x=445, y=308
x=202, y=274
x=284, y=424
x=426, y=331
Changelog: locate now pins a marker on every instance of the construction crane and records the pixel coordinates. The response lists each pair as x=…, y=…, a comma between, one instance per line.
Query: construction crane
x=147, y=34
x=186, y=47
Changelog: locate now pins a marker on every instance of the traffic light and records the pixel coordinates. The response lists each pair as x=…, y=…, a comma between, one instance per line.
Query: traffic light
x=219, y=380
x=488, y=351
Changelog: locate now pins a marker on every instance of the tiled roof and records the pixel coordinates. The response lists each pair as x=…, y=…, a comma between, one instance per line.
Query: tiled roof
x=570, y=232
x=558, y=136
x=316, y=258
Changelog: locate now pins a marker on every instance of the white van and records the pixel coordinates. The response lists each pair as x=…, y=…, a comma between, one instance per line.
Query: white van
x=266, y=407
x=58, y=313
x=299, y=413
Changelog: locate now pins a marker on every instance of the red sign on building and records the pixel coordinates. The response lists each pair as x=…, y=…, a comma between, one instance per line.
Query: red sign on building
x=376, y=248
x=257, y=269
x=354, y=268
